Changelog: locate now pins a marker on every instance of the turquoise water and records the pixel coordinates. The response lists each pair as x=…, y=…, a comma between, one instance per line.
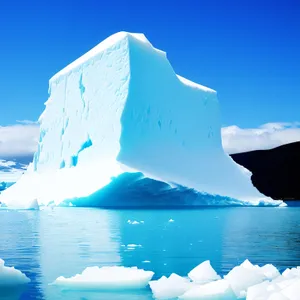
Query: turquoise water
x=64, y=241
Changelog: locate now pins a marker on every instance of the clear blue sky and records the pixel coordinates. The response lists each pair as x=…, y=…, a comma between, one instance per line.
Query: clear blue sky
x=249, y=51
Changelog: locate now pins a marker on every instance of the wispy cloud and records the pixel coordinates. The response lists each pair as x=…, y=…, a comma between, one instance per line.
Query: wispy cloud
x=267, y=136
x=19, y=139
x=27, y=122
x=10, y=171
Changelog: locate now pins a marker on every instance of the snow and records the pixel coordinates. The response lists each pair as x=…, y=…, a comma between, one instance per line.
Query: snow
x=203, y=273
x=107, y=278
x=9, y=276
x=109, y=111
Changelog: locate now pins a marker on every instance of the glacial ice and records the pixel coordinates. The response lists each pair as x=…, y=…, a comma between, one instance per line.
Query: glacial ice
x=107, y=279
x=246, y=282
x=121, y=109
x=203, y=273
x=215, y=290
x=244, y=276
x=171, y=287
x=9, y=276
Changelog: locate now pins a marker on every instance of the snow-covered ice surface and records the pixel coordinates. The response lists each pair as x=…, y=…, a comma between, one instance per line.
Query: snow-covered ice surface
x=246, y=281
x=121, y=109
x=107, y=278
x=9, y=276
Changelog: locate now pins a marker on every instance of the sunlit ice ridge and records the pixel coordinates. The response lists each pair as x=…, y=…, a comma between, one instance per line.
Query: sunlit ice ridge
x=120, y=128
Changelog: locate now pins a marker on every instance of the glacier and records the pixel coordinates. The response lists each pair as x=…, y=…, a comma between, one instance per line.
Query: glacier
x=119, y=119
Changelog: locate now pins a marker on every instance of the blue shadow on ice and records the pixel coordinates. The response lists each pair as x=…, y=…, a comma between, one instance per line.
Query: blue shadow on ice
x=134, y=190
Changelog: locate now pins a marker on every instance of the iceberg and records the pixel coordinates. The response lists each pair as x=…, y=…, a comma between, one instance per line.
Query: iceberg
x=9, y=276
x=107, y=279
x=121, y=109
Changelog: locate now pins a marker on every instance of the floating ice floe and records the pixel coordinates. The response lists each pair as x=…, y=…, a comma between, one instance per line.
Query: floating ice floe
x=107, y=278
x=135, y=222
x=171, y=221
x=134, y=246
x=244, y=276
x=169, y=288
x=215, y=290
x=9, y=276
x=204, y=273
x=246, y=281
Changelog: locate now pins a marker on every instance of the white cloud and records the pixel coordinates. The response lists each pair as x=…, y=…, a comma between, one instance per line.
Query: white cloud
x=10, y=171
x=19, y=139
x=267, y=136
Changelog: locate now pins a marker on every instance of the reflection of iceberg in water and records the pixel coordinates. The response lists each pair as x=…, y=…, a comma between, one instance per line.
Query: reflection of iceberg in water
x=73, y=239
x=261, y=236
x=168, y=247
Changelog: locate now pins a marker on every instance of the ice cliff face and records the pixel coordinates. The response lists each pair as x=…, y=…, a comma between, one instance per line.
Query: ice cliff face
x=121, y=107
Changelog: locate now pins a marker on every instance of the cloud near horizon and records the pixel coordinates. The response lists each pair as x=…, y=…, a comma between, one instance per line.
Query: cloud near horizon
x=267, y=136
x=21, y=139
x=18, y=139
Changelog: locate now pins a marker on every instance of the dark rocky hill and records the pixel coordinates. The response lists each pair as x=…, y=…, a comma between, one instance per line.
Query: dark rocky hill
x=276, y=172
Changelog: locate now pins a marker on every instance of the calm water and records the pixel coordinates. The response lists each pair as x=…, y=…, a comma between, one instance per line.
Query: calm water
x=64, y=241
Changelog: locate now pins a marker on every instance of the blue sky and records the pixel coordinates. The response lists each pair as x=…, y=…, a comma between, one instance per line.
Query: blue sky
x=249, y=51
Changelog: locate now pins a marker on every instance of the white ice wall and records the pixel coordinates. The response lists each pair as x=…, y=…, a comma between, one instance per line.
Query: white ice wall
x=119, y=106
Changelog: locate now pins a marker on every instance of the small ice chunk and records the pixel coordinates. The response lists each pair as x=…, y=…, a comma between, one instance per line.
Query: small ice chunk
x=171, y=221
x=248, y=265
x=261, y=291
x=270, y=271
x=146, y=261
x=204, y=273
x=9, y=276
x=277, y=296
x=215, y=290
x=135, y=222
x=292, y=292
x=134, y=246
x=282, y=282
x=291, y=273
x=244, y=276
x=169, y=288
x=107, y=278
